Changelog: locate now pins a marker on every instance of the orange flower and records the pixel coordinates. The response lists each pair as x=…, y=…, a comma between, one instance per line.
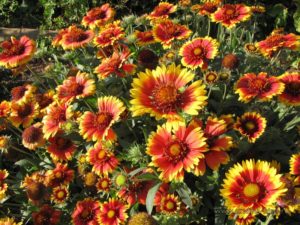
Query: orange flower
x=86, y=212
x=243, y=219
x=166, y=31
x=164, y=92
x=231, y=14
x=103, y=160
x=23, y=114
x=33, y=137
x=58, y=38
x=96, y=126
x=61, y=148
x=103, y=184
x=3, y=185
x=163, y=10
x=16, y=52
x=57, y=115
x=44, y=100
x=174, y=151
x=61, y=175
x=22, y=94
x=211, y=77
x=116, y=64
x=169, y=204
x=112, y=212
x=291, y=92
x=59, y=194
x=98, y=16
x=259, y=86
x=277, y=41
x=295, y=164
x=46, y=213
x=251, y=186
x=197, y=52
x=251, y=124
x=109, y=35
x=4, y=108
x=208, y=8
x=108, y=51
x=73, y=37
x=79, y=86
x=218, y=144
x=144, y=38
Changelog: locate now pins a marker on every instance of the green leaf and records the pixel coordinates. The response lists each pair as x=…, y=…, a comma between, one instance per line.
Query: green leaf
x=25, y=162
x=184, y=194
x=136, y=171
x=290, y=125
x=150, y=197
x=296, y=17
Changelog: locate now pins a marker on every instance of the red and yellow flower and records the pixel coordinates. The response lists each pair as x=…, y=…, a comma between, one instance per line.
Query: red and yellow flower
x=61, y=175
x=61, y=148
x=22, y=94
x=163, y=10
x=197, y=52
x=96, y=126
x=57, y=115
x=144, y=37
x=23, y=114
x=116, y=64
x=251, y=125
x=16, y=52
x=276, y=41
x=103, y=184
x=291, y=92
x=44, y=100
x=169, y=204
x=252, y=185
x=261, y=87
x=295, y=164
x=208, y=8
x=109, y=35
x=112, y=212
x=243, y=218
x=60, y=194
x=3, y=185
x=4, y=109
x=73, y=37
x=164, y=91
x=86, y=212
x=80, y=86
x=46, y=214
x=166, y=32
x=102, y=159
x=174, y=151
x=33, y=137
x=231, y=14
x=218, y=144
x=9, y=221
x=98, y=16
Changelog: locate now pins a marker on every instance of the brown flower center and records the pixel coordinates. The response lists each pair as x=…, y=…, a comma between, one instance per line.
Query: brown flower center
x=176, y=151
x=103, y=119
x=18, y=92
x=25, y=111
x=86, y=214
x=77, y=35
x=63, y=143
x=166, y=98
x=32, y=134
x=14, y=49
x=293, y=89
x=259, y=85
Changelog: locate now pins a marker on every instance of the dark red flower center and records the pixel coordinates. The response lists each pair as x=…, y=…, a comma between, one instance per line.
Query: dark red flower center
x=63, y=144
x=166, y=98
x=32, y=134
x=14, y=49
x=86, y=215
x=103, y=119
x=77, y=35
x=24, y=111
x=274, y=40
x=176, y=151
x=101, y=15
x=259, y=85
x=230, y=12
x=18, y=92
x=293, y=89
x=250, y=126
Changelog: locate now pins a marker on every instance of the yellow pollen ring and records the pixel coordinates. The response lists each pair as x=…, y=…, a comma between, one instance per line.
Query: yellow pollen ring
x=251, y=190
x=104, y=184
x=101, y=154
x=111, y=213
x=61, y=194
x=197, y=51
x=250, y=125
x=229, y=11
x=175, y=149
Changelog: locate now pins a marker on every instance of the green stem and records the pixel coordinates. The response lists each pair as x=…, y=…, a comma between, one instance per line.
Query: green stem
x=209, y=25
x=269, y=219
x=225, y=92
x=21, y=151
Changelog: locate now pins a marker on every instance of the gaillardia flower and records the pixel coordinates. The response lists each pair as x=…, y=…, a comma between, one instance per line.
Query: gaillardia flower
x=166, y=31
x=295, y=164
x=144, y=38
x=251, y=125
x=98, y=16
x=3, y=185
x=61, y=175
x=16, y=52
x=291, y=92
x=169, y=204
x=33, y=137
x=162, y=10
x=61, y=148
x=164, y=92
x=102, y=159
x=231, y=14
x=23, y=114
x=174, y=151
x=197, y=52
x=22, y=94
x=46, y=215
x=103, y=184
x=208, y=8
x=276, y=41
x=252, y=186
x=112, y=212
x=86, y=212
x=75, y=37
x=57, y=115
x=261, y=86
x=96, y=126
x=60, y=194
x=79, y=86
x=109, y=35
x=4, y=108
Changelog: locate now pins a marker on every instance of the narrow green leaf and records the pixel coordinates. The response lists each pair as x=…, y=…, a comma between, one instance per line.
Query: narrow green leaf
x=150, y=197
